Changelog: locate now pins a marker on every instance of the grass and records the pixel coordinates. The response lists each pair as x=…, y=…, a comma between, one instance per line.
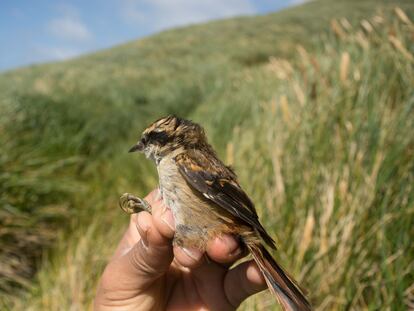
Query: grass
x=317, y=126
x=329, y=160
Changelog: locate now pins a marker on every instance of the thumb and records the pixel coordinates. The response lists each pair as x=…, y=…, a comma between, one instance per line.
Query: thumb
x=143, y=264
x=152, y=255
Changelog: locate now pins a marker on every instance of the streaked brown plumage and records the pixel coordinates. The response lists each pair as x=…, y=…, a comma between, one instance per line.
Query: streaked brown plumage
x=207, y=201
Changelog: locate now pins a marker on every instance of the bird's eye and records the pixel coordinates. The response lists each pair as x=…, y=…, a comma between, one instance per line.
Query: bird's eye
x=144, y=139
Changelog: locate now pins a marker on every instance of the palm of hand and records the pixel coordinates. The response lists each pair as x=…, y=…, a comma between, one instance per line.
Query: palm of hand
x=202, y=288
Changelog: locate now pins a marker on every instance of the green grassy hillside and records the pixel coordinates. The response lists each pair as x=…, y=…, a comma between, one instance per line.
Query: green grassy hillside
x=313, y=106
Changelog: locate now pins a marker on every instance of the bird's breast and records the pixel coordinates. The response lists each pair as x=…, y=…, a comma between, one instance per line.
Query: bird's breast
x=171, y=186
x=178, y=195
x=195, y=218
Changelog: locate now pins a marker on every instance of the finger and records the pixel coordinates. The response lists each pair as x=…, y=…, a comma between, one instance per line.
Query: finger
x=129, y=239
x=163, y=220
x=127, y=242
x=150, y=235
x=243, y=281
x=225, y=249
x=154, y=197
x=188, y=257
x=208, y=278
x=144, y=263
x=154, y=200
x=131, y=235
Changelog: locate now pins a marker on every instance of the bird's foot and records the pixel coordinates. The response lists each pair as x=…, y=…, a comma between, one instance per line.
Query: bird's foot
x=132, y=204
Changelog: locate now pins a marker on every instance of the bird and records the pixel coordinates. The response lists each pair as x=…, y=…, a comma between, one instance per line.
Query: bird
x=207, y=200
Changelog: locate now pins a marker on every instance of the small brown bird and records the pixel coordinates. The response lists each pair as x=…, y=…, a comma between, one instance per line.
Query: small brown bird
x=207, y=200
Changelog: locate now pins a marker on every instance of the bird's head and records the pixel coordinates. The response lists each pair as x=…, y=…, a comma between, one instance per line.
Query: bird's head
x=168, y=134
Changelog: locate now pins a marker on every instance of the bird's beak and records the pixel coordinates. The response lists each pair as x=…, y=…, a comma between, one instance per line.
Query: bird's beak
x=137, y=148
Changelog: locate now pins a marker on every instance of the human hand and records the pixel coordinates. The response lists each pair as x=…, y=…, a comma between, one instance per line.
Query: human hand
x=148, y=273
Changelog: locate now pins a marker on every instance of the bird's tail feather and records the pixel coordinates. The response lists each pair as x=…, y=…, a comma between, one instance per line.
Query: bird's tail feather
x=280, y=284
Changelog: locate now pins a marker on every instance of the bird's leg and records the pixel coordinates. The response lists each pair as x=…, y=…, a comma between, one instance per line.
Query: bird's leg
x=132, y=204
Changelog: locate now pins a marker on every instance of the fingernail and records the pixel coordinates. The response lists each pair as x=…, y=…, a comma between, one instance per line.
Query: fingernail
x=193, y=253
x=125, y=250
x=231, y=243
x=168, y=218
x=143, y=230
x=144, y=243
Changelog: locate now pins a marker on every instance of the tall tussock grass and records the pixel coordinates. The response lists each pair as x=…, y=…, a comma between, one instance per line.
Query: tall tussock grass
x=332, y=165
x=322, y=139
x=30, y=184
x=53, y=151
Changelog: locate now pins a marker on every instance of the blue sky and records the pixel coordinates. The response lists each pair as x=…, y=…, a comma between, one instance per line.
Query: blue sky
x=49, y=30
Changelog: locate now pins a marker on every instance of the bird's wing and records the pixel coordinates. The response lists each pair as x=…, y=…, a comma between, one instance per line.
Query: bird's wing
x=216, y=182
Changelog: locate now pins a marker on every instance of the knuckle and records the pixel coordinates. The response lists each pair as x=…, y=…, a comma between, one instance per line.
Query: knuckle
x=140, y=260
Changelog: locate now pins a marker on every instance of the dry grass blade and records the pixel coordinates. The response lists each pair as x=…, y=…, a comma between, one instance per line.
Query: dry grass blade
x=337, y=29
x=344, y=67
x=397, y=44
x=402, y=16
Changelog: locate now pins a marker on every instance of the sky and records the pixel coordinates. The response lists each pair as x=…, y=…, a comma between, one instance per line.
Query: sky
x=49, y=30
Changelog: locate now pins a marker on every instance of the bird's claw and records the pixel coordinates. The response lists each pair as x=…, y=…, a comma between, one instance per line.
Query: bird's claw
x=132, y=204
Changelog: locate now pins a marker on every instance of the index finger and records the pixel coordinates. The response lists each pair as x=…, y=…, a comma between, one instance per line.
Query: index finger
x=225, y=249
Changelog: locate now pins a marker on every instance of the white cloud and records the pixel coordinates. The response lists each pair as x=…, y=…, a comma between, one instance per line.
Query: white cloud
x=70, y=36
x=55, y=53
x=69, y=28
x=156, y=15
